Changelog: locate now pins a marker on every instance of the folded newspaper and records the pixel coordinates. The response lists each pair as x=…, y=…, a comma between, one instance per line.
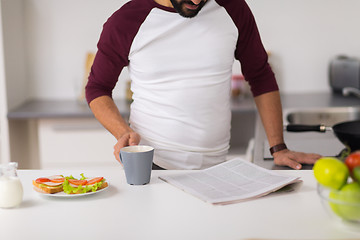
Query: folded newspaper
x=230, y=182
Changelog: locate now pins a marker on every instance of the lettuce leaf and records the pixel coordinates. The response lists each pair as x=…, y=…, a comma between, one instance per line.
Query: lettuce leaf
x=82, y=176
x=80, y=189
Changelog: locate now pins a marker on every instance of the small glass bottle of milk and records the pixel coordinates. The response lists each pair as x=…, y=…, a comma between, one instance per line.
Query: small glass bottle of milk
x=11, y=190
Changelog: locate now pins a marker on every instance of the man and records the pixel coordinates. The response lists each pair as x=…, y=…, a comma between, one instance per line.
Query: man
x=180, y=55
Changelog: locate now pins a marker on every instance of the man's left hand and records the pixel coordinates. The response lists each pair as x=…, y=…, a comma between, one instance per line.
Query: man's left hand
x=294, y=159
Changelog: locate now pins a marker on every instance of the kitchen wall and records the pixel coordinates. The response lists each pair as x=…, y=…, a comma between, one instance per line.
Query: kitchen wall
x=302, y=36
x=3, y=103
x=59, y=34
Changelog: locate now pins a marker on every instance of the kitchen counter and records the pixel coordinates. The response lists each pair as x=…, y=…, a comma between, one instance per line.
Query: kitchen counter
x=316, y=100
x=36, y=109
x=161, y=211
x=295, y=102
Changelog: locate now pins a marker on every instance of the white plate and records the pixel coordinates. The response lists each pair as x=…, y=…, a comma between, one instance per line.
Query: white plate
x=65, y=195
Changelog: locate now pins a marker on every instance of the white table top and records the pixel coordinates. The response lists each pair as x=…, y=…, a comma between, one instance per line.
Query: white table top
x=161, y=211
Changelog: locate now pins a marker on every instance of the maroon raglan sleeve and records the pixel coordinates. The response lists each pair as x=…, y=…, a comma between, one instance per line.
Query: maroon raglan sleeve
x=250, y=50
x=114, y=47
x=108, y=63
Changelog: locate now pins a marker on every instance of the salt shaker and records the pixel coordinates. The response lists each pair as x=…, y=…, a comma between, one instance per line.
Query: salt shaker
x=11, y=190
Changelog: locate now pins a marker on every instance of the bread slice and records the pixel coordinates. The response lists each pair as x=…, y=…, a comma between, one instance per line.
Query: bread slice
x=42, y=188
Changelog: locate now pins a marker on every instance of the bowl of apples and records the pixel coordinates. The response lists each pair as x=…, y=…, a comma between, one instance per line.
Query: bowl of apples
x=338, y=186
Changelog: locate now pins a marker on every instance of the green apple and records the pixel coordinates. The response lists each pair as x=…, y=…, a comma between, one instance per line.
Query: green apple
x=356, y=173
x=331, y=172
x=346, y=202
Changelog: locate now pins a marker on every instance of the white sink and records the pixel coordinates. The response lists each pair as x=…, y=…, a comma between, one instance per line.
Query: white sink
x=327, y=116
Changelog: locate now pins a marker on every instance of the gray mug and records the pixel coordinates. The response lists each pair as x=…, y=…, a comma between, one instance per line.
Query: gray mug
x=137, y=161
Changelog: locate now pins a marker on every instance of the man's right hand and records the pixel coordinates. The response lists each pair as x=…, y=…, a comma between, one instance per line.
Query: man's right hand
x=128, y=139
x=109, y=116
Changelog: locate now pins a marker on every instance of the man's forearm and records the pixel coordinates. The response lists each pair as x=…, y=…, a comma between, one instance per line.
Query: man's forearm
x=107, y=113
x=270, y=110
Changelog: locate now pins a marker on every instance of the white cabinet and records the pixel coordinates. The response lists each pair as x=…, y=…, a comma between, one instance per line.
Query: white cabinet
x=75, y=143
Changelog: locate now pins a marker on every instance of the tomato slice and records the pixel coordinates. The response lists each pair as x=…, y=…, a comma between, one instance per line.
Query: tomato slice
x=57, y=180
x=77, y=182
x=94, y=180
x=42, y=180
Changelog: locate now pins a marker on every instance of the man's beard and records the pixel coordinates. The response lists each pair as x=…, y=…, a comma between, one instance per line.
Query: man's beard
x=179, y=6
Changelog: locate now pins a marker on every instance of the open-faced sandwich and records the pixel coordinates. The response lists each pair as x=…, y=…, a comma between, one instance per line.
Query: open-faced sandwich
x=72, y=185
x=69, y=185
x=52, y=184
